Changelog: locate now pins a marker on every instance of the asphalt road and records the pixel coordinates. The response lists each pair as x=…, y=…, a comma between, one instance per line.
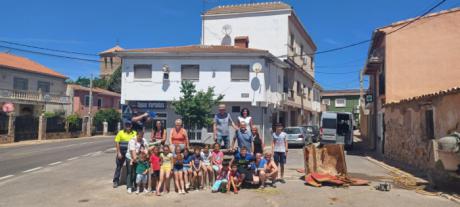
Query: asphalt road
x=19, y=159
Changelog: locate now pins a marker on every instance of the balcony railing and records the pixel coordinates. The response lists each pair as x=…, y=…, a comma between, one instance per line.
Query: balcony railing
x=35, y=96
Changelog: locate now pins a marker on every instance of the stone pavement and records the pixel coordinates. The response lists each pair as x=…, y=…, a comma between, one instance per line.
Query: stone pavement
x=87, y=182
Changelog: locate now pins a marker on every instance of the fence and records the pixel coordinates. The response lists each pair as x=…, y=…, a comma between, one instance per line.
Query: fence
x=112, y=127
x=3, y=123
x=77, y=126
x=55, y=124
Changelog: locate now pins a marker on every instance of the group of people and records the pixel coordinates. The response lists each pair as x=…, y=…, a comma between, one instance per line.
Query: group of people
x=152, y=163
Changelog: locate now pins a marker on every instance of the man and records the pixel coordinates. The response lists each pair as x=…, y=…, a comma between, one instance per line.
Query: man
x=243, y=160
x=244, y=138
x=139, y=119
x=280, y=149
x=269, y=170
x=121, y=145
x=221, y=128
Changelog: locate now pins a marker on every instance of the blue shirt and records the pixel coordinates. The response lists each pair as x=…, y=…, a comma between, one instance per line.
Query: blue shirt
x=244, y=162
x=261, y=164
x=188, y=159
x=244, y=139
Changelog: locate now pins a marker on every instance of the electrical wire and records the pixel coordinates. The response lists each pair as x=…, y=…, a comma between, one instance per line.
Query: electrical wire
x=50, y=54
x=49, y=49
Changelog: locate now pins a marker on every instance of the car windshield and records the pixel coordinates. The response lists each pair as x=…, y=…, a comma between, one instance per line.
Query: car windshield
x=292, y=131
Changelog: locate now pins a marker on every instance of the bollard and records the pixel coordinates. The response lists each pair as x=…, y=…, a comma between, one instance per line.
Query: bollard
x=42, y=127
x=105, y=128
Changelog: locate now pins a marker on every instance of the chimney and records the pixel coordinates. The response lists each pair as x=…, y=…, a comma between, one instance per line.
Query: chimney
x=242, y=41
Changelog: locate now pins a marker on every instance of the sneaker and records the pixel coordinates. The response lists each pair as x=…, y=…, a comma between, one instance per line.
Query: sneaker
x=282, y=181
x=115, y=184
x=130, y=190
x=137, y=191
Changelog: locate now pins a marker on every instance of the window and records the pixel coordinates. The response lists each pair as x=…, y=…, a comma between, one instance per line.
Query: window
x=329, y=123
x=99, y=103
x=429, y=123
x=327, y=102
x=299, y=88
x=236, y=109
x=301, y=49
x=340, y=102
x=43, y=86
x=21, y=84
x=142, y=72
x=86, y=100
x=240, y=72
x=382, y=83
x=111, y=62
x=291, y=41
x=190, y=72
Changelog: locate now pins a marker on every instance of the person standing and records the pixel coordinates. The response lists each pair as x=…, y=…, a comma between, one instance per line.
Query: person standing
x=244, y=117
x=221, y=128
x=158, y=135
x=139, y=119
x=121, y=145
x=178, y=136
x=258, y=141
x=244, y=138
x=280, y=149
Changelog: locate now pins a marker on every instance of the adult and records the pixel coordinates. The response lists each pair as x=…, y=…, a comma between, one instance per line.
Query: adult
x=269, y=171
x=244, y=138
x=121, y=146
x=280, y=149
x=178, y=136
x=221, y=128
x=135, y=147
x=139, y=120
x=258, y=141
x=243, y=161
x=244, y=117
x=258, y=168
x=158, y=135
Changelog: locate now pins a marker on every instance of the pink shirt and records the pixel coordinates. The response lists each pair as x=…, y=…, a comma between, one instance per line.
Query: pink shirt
x=218, y=157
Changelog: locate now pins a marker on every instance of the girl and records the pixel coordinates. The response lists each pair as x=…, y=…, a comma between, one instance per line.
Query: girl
x=208, y=172
x=158, y=135
x=165, y=171
x=244, y=117
x=222, y=179
x=178, y=173
x=155, y=167
x=142, y=172
x=197, y=166
x=187, y=168
x=176, y=151
x=217, y=158
x=258, y=141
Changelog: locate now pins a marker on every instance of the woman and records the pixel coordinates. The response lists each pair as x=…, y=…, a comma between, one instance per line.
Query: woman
x=244, y=117
x=178, y=136
x=158, y=135
x=258, y=141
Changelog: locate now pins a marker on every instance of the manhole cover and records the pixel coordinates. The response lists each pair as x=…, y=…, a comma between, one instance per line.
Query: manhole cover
x=83, y=200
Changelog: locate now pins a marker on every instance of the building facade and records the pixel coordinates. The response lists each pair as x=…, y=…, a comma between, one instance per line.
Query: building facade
x=80, y=100
x=109, y=62
x=342, y=101
x=420, y=59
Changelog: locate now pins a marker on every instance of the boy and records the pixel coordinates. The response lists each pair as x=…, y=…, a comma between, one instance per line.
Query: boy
x=234, y=179
x=243, y=160
x=142, y=170
x=280, y=149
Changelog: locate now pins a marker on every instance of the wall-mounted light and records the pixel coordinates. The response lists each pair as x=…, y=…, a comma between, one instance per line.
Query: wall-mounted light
x=165, y=72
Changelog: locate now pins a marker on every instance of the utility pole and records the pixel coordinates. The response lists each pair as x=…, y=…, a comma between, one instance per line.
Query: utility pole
x=90, y=119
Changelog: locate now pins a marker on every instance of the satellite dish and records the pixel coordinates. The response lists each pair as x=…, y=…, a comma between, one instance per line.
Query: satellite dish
x=257, y=67
x=227, y=29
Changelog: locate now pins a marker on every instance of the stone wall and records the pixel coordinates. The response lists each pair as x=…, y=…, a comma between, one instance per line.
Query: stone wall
x=406, y=139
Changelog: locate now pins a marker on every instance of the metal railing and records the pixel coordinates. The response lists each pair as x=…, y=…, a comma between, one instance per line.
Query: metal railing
x=33, y=96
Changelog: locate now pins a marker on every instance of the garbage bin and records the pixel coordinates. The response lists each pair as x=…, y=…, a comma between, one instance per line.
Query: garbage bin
x=449, y=151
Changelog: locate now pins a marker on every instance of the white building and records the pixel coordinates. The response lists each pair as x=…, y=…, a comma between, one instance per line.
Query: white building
x=237, y=40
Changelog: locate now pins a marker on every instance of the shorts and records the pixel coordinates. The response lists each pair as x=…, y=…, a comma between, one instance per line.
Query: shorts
x=247, y=174
x=141, y=178
x=186, y=168
x=156, y=173
x=178, y=169
x=173, y=147
x=166, y=168
x=207, y=164
x=279, y=158
x=216, y=168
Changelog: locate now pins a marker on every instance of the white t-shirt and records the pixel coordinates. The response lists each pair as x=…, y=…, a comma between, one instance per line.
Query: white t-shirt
x=246, y=120
x=279, y=140
x=206, y=158
x=133, y=144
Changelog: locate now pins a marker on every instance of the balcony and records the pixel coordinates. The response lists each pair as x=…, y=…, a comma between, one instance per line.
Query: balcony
x=30, y=97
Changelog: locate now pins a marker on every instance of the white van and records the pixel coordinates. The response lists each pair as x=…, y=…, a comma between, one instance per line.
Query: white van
x=337, y=127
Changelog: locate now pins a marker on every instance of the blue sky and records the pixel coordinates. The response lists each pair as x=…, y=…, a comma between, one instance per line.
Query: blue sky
x=90, y=26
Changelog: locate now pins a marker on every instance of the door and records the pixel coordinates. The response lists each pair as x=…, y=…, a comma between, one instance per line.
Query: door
x=25, y=128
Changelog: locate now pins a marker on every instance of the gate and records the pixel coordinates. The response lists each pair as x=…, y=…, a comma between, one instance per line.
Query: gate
x=25, y=128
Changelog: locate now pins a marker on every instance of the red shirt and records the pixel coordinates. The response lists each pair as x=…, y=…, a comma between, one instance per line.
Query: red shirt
x=155, y=162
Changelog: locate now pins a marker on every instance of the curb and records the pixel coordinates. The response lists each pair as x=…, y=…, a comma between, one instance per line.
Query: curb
x=38, y=142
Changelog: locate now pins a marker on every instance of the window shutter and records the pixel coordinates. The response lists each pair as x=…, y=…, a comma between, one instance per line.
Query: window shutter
x=240, y=72
x=190, y=72
x=142, y=71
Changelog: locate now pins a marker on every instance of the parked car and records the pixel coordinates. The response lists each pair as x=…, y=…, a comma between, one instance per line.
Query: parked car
x=297, y=136
x=337, y=127
x=313, y=132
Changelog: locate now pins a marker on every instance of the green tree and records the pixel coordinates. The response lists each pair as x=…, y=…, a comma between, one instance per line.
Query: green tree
x=112, y=117
x=114, y=82
x=194, y=106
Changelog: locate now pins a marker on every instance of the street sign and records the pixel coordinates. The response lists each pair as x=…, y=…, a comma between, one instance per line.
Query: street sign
x=147, y=105
x=126, y=110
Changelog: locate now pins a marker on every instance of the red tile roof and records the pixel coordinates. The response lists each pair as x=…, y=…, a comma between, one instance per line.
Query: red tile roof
x=111, y=50
x=198, y=49
x=246, y=8
x=455, y=90
x=95, y=90
x=21, y=63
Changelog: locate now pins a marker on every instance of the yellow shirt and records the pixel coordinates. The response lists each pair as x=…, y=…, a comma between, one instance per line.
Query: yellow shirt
x=123, y=136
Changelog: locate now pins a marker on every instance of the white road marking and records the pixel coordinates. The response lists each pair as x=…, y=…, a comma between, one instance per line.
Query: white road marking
x=55, y=163
x=33, y=169
x=96, y=153
x=73, y=158
x=110, y=150
x=6, y=177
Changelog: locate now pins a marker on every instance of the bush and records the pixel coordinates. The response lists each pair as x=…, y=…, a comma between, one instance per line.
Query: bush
x=111, y=116
x=73, y=120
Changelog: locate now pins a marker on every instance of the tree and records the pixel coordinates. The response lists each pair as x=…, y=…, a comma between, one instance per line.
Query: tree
x=85, y=81
x=194, y=106
x=114, y=82
x=111, y=116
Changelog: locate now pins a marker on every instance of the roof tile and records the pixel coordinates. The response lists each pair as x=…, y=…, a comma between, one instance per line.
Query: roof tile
x=247, y=8
x=24, y=64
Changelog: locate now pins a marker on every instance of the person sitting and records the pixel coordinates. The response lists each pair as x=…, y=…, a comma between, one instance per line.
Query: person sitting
x=243, y=161
x=197, y=168
x=269, y=172
x=258, y=167
x=234, y=178
x=142, y=170
x=221, y=179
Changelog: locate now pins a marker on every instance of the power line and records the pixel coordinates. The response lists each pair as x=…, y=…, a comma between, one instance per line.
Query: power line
x=49, y=54
x=49, y=49
x=337, y=73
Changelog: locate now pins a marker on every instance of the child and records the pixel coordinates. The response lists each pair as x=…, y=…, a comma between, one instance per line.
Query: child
x=217, y=158
x=234, y=179
x=187, y=168
x=165, y=170
x=208, y=172
x=222, y=178
x=155, y=166
x=142, y=170
x=197, y=167
x=178, y=173
x=280, y=149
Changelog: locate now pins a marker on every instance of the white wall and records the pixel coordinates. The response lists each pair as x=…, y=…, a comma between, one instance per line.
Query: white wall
x=299, y=41
x=266, y=31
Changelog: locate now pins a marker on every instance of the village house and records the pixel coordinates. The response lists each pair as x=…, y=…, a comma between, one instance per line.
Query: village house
x=342, y=101
x=80, y=100
x=413, y=73
x=265, y=67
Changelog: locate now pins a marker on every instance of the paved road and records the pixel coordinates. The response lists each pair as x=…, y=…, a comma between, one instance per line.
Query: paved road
x=17, y=159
